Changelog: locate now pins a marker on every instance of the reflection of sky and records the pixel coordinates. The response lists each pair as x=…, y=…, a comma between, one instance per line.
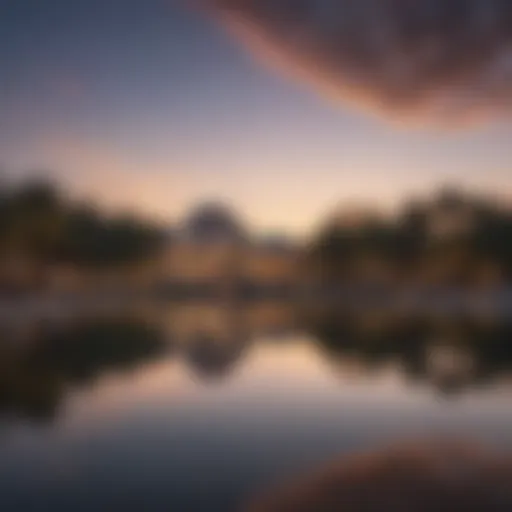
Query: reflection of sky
x=160, y=100
x=159, y=433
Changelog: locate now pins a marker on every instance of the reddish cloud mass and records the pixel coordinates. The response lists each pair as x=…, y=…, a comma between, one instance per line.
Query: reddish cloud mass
x=416, y=60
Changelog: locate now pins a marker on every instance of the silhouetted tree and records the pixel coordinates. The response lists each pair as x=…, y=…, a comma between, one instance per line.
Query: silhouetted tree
x=451, y=237
x=39, y=228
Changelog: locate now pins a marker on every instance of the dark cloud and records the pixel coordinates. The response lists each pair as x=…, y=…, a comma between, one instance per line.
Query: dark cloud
x=427, y=60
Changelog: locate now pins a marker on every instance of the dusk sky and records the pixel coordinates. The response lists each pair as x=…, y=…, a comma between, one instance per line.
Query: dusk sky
x=154, y=106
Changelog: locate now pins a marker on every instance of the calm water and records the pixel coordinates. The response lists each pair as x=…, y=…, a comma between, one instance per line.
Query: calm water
x=197, y=407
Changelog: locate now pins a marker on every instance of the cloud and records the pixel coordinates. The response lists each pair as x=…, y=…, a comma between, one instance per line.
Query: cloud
x=441, y=61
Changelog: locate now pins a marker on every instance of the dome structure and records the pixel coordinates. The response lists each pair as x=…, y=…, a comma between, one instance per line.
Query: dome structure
x=214, y=222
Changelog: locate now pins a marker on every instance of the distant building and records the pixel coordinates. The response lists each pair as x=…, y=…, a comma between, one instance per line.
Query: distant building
x=206, y=245
x=213, y=244
x=272, y=260
x=212, y=224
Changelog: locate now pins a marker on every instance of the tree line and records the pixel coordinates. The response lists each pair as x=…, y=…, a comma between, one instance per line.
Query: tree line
x=41, y=227
x=453, y=237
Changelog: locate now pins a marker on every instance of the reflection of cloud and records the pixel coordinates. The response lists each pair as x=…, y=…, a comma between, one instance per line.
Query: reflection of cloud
x=424, y=477
x=428, y=59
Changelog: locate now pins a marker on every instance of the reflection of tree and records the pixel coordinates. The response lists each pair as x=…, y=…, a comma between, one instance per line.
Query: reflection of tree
x=474, y=352
x=33, y=381
x=40, y=364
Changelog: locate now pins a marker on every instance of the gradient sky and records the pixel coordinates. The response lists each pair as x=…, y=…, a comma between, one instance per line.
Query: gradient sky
x=150, y=105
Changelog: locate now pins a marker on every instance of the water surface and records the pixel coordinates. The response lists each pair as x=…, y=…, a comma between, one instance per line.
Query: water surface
x=197, y=407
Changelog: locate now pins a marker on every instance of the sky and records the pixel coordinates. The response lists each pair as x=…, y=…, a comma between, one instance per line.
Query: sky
x=154, y=106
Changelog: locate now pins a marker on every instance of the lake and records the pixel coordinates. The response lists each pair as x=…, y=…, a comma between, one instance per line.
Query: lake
x=197, y=407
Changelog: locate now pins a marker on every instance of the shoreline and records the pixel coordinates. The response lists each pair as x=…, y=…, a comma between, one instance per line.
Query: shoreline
x=406, y=301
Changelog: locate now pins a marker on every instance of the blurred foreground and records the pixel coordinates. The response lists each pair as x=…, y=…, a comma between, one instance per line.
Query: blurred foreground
x=415, y=477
